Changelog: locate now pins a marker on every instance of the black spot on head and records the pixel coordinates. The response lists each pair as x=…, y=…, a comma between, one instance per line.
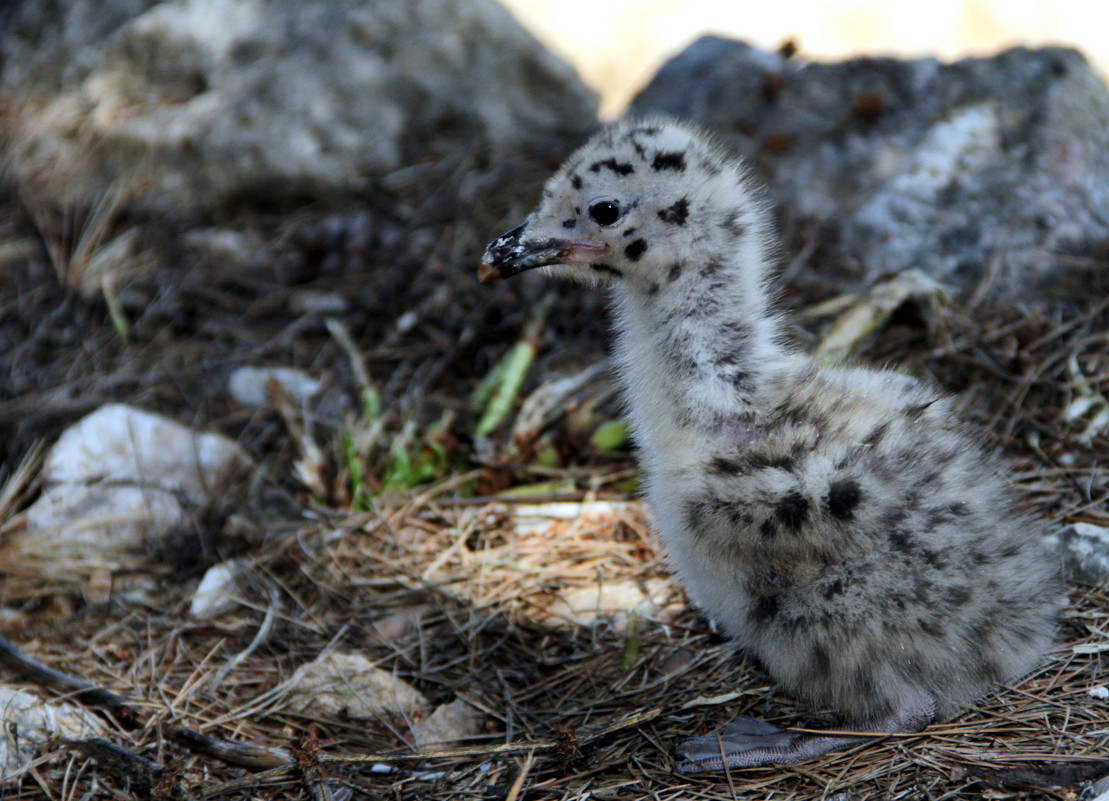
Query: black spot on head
x=733, y=225
x=677, y=213
x=901, y=541
x=569, y=222
x=636, y=249
x=843, y=498
x=765, y=608
x=710, y=269
x=709, y=166
x=792, y=510
x=833, y=589
x=914, y=412
x=652, y=290
x=575, y=181
x=675, y=272
x=631, y=231
x=606, y=268
x=669, y=160
x=768, y=529
x=619, y=168
x=740, y=379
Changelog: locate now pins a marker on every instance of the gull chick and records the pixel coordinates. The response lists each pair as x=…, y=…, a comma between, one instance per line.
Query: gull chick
x=835, y=520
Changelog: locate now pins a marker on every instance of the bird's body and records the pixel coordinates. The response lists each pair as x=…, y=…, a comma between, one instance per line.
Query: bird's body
x=836, y=521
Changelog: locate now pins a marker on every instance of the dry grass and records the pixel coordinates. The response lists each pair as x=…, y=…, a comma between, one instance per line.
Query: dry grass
x=446, y=584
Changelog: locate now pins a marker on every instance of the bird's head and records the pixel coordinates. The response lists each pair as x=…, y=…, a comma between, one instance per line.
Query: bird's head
x=639, y=204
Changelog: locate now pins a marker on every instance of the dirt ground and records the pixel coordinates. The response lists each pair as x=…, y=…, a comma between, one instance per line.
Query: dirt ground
x=409, y=547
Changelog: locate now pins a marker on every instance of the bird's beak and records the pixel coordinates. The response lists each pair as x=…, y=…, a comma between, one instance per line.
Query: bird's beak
x=515, y=251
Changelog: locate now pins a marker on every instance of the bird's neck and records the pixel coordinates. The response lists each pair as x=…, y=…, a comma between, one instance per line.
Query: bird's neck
x=695, y=355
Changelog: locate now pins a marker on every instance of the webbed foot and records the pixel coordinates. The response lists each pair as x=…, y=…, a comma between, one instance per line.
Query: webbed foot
x=747, y=742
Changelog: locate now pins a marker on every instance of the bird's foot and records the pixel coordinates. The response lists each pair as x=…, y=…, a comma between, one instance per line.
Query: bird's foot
x=747, y=743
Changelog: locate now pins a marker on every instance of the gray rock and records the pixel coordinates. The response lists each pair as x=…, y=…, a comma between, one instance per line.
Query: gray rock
x=196, y=103
x=986, y=169
x=1084, y=552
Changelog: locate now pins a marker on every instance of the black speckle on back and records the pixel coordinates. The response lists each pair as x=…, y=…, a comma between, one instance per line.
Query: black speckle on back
x=569, y=222
x=636, y=249
x=695, y=516
x=792, y=510
x=677, y=213
x=669, y=160
x=575, y=181
x=833, y=589
x=958, y=596
x=843, y=498
x=931, y=627
x=820, y=663
x=768, y=529
x=652, y=290
x=725, y=467
x=618, y=167
x=762, y=460
x=934, y=559
x=606, y=268
x=675, y=272
x=875, y=436
x=765, y=608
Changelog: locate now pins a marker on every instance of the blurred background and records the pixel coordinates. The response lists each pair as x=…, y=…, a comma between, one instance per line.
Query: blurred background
x=619, y=45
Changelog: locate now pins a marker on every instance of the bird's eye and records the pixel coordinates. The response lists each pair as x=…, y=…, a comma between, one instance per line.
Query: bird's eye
x=604, y=212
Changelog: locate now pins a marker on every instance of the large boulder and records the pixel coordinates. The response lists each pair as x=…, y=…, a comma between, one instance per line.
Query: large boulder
x=984, y=170
x=195, y=103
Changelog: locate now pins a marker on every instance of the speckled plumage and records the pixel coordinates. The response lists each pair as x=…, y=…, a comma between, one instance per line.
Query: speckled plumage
x=835, y=520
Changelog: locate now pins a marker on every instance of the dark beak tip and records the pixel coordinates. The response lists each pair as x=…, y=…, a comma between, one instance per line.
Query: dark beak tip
x=487, y=272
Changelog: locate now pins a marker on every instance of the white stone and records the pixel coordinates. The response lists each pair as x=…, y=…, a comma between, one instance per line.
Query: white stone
x=29, y=723
x=121, y=444
x=448, y=724
x=78, y=522
x=115, y=482
x=1084, y=550
x=611, y=600
x=247, y=385
x=217, y=591
x=344, y=683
